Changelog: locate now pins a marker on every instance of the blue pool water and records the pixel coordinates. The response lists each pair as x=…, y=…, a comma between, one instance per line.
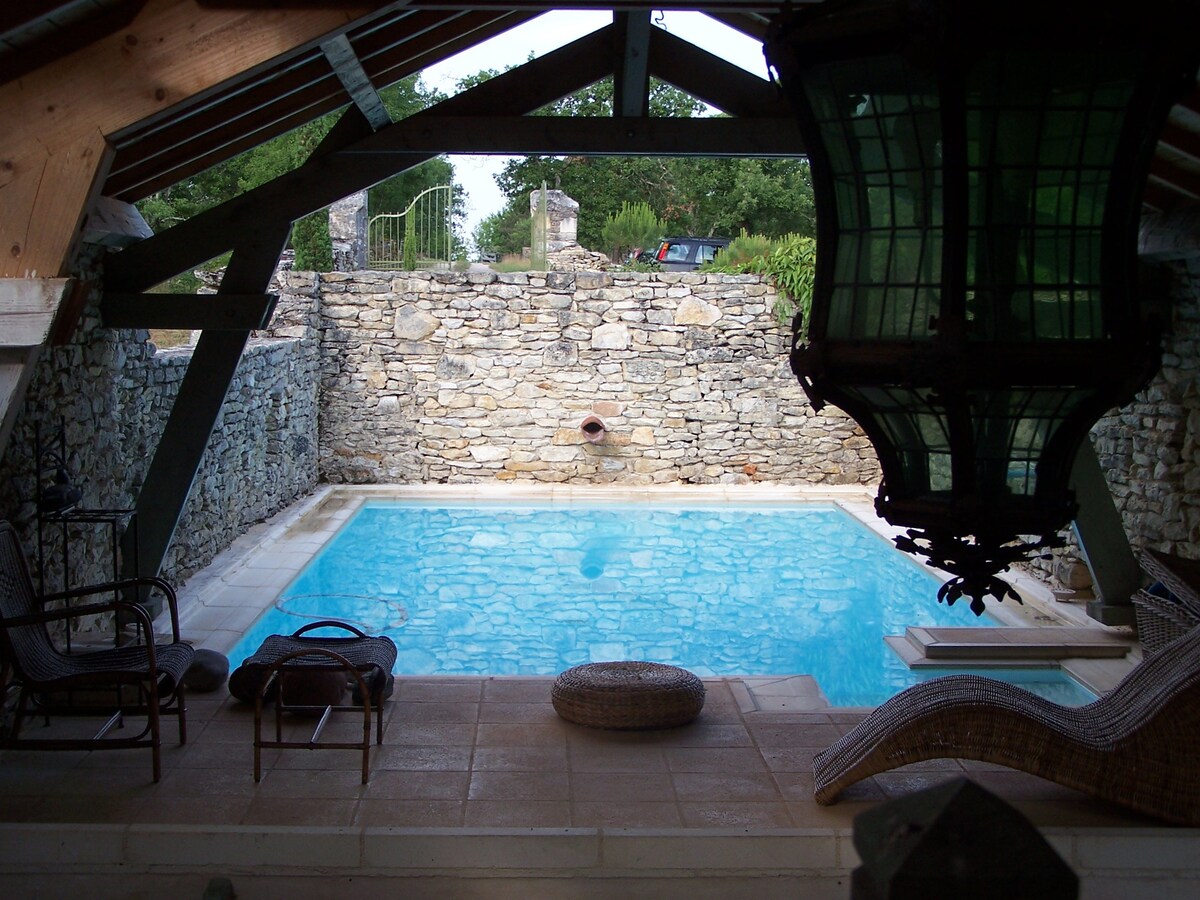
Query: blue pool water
x=534, y=589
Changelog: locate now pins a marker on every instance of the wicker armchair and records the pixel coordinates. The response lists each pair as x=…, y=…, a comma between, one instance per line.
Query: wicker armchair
x=1134, y=747
x=1169, y=609
x=142, y=679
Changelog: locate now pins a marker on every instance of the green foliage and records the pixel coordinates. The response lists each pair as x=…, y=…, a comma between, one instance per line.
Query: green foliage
x=410, y=243
x=790, y=262
x=505, y=232
x=635, y=225
x=310, y=240
x=745, y=247
x=691, y=195
x=792, y=265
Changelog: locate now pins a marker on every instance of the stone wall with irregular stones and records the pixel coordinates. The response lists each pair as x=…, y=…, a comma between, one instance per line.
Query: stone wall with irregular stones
x=113, y=390
x=1150, y=449
x=483, y=376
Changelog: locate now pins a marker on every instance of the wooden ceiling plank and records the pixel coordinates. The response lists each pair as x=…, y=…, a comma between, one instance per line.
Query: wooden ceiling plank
x=170, y=51
x=15, y=16
x=355, y=80
x=194, y=141
x=67, y=38
x=435, y=45
x=136, y=184
x=202, y=137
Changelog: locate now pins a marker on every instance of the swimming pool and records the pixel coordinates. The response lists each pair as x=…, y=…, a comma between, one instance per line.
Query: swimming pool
x=532, y=589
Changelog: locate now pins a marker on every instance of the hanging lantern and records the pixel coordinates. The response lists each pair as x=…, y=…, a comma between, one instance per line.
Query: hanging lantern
x=978, y=172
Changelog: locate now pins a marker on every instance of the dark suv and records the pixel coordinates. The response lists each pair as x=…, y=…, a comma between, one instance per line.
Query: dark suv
x=683, y=254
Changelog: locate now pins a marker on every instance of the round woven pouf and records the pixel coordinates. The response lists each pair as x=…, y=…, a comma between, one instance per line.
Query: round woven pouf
x=628, y=695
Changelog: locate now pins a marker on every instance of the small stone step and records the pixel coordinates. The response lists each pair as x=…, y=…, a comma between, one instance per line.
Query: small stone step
x=1017, y=643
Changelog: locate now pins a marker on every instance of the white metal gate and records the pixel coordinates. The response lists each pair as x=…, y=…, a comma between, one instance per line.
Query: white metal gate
x=418, y=238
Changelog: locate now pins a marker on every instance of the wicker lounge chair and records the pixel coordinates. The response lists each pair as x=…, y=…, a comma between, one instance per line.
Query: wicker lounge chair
x=1134, y=747
x=141, y=679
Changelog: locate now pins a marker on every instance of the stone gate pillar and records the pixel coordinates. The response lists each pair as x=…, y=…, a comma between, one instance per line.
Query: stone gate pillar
x=563, y=215
x=348, y=232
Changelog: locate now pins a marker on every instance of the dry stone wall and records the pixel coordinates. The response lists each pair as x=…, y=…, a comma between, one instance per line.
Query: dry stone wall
x=432, y=377
x=1150, y=449
x=113, y=390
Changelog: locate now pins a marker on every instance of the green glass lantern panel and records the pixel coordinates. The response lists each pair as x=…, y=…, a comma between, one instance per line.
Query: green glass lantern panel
x=1043, y=132
x=881, y=131
x=1012, y=429
x=917, y=431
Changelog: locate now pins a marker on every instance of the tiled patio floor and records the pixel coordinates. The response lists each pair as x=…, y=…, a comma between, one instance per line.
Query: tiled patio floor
x=493, y=753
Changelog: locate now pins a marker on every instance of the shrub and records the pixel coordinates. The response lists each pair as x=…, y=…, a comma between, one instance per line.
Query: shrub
x=310, y=240
x=790, y=263
x=634, y=226
x=744, y=248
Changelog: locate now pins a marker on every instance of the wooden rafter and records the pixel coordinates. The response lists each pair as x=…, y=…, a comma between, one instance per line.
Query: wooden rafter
x=355, y=80
x=718, y=83
x=159, y=154
x=26, y=25
x=316, y=185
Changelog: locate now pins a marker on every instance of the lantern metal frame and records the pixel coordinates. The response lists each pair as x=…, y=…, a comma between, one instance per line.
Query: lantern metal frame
x=978, y=174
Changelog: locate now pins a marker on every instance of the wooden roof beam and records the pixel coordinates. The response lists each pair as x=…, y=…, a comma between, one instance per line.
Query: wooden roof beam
x=631, y=74
x=585, y=136
x=171, y=51
x=73, y=29
x=355, y=80
x=709, y=78
x=192, y=312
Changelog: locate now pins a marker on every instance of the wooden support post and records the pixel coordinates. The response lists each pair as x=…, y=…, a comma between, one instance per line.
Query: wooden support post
x=194, y=414
x=1103, y=542
x=631, y=73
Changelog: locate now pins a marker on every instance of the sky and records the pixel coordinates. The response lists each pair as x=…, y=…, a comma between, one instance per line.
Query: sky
x=476, y=174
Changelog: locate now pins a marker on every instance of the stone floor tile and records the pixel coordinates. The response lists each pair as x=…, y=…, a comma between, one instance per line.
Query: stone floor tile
x=450, y=758
x=299, y=811
x=714, y=759
x=621, y=787
x=520, y=786
x=624, y=814
x=518, y=813
x=394, y=785
x=520, y=759
x=700, y=787
x=719, y=814
x=410, y=813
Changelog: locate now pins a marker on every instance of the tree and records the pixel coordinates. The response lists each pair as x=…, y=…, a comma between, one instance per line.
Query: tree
x=310, y=240
x=634, y=226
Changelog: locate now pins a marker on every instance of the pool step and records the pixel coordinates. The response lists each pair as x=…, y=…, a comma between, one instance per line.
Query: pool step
x=923, y=646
